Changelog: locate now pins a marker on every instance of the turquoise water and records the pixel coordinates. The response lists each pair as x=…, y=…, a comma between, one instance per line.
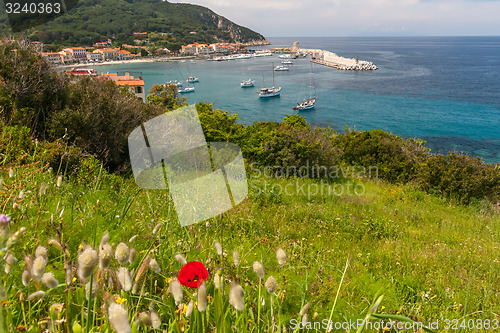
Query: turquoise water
x=445, y=90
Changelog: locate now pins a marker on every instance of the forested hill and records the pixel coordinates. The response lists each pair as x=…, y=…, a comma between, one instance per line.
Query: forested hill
x=94, y=21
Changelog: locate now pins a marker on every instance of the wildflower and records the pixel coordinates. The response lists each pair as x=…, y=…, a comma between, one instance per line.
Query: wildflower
x=304, y=320
x=26, y=278
x=218, y=248
x=68, y=273
x=258, y=269
x=87, y=260
x=236, y=258
x=145, y=319
x=43, y=190
x=4, y=221
x=41, y=251
x=123, y=277
x=236, y=296
x=120, y=300
x=132, y=239
x=134, y=288
x=49, y=280
x=132, y=255
x=271, y=284
x=155, y=320
x=157, y=228
x=105, y=255
x=202, y=297
x=38, y=268
x=11, y=173
x=153, y=264
x=59, y=181
x=56, y=244
x=95, y=286
x=176, y=290
x=118, y=318
x=189, y=309
x=218, y=280
x=9, y=262
x=193, y=274
x=281, y=255
x=304, y=309
x=36, y=295
x=180, y=258
x=104, y=240
x=122, y=253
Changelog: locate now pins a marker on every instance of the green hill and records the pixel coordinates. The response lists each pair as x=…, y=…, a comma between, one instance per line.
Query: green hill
x=94, y=21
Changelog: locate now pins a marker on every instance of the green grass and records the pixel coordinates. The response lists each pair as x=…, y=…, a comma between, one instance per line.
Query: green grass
x=432, y=260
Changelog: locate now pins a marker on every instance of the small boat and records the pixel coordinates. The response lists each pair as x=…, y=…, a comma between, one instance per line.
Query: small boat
x=287, y=62
x=83, y=72
x=270, y=92
x=183, y=90
x=281, y=68
x=192, y=79
x=306, y=104
x=247, y=83
x=175, y=82
x=284, y=56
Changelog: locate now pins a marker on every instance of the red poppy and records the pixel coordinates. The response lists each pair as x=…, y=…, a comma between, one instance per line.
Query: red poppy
x=192, y=274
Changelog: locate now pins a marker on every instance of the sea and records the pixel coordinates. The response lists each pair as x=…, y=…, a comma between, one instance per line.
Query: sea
x=444, y=90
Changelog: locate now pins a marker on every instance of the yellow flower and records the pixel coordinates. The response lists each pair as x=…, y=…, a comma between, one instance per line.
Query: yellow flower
x=210, y=299
x=80, y=246
x=121, y=300
x=74, y=279
x=168, y=280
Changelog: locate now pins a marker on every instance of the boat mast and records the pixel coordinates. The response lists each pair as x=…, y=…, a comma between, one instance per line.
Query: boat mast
x=272, y=64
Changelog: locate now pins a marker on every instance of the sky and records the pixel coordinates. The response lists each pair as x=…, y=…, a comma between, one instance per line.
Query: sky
x=332, y=18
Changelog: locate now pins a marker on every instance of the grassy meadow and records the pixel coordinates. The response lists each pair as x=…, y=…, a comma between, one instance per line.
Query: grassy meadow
x=432, y=260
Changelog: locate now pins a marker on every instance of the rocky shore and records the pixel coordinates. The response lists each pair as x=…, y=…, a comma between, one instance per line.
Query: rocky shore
x=331, y=59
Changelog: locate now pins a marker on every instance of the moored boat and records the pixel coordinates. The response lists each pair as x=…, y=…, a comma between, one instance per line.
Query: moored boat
x=83, y=72
x=247, y=83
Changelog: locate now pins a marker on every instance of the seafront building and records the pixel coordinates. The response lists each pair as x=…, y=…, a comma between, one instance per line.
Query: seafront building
x=78, y=54
x=134, y=85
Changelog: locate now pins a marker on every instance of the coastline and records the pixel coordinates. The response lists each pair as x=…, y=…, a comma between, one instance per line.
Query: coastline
x=129, y=61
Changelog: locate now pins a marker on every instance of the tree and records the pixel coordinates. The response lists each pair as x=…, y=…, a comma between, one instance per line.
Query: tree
x=166, y=95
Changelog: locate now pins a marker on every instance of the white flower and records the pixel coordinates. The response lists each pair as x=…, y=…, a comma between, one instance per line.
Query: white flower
x=145, y=319
x=153, y=264
x=124, y=277
x=105, y=255
x=176, y=290
x=202, y=297
x=118, y=317
x=104, y=240
x=132, y=239
x=50, y=281
x=59, y=181
x=38, y=268
x=189, y=309
x=122, y=253
x=236, y=296
x=180, y=258
x=218, y=248
x=26, y=278
x=218, y=280
x=157, y=228
x=95, y=286
x=258, y=269
x=304, y=309
x=281, y=255
x=236, y=258
x=271, y=284
x=36, y=295
x=155, y=320
x=87, y=260
x=131, y=257
x=11, y=173
x=304, y=320
x=9, y=262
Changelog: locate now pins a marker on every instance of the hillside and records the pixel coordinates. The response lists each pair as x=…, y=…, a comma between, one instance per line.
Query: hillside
x=94, y=21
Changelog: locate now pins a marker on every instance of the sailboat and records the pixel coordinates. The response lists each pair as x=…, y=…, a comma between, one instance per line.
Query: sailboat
x=270, y=92
x=247, y=83
x=308, y=103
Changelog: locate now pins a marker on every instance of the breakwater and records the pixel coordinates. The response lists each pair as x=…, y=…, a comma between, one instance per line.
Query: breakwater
x=331, y=59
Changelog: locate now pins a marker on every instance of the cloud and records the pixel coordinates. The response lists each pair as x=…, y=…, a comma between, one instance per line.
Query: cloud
x=347, y=17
